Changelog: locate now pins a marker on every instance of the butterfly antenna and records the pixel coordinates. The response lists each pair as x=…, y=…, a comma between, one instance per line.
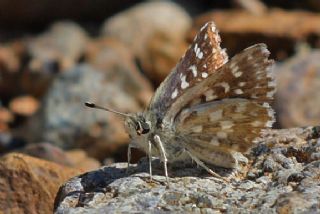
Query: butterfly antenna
x=92, y=105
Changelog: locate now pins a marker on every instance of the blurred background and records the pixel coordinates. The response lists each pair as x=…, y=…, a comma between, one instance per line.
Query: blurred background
x=54, y=56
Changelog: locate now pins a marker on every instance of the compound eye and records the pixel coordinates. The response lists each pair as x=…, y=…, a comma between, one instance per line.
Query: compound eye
x=145, y=128
x=142, y=128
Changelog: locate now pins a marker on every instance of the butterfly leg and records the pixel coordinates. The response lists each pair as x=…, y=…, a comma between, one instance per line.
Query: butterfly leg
x=129, y=156
x=150, y=159
x=163, y=154
x=200, y=163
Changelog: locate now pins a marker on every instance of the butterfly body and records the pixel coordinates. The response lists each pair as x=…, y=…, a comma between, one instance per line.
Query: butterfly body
x=166, y=132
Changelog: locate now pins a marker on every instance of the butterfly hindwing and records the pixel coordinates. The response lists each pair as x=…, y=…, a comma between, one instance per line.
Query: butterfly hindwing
x=228, y=124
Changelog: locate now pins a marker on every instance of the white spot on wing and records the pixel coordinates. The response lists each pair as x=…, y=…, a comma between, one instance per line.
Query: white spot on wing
x=204, y=74
x=235, y=70
x=198, y=51
x=270, y=94
x=184, y=83
x=266, y=105
x=174, y=94
x=269, y=123
x=256, y=123
x=213, y=28
x=270, y=112
x=193, y=68
x=237, y=74
x=210, y=95
x=241, y=84
x=195, y=48
x=225, y=86
x=238, y=91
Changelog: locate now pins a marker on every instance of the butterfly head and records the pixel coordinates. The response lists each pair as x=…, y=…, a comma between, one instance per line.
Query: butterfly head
x=136, y=125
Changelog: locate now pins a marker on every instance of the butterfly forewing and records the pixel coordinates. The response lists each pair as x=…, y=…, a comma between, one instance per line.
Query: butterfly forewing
x=247, y=75
x=202, y=58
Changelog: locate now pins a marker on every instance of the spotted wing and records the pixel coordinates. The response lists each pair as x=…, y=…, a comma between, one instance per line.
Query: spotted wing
x=228, y=124
x=230, y=107
x=202, y=58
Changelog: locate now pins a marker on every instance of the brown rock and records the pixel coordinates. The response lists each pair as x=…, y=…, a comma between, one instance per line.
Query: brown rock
x=116, y=61
x=154, y=39
x=80, y=160
x=8, y=59
x=76, y=158
x=279, y=29
x=255, y=7
x=24, y=105
x=297, y=98
x=161, y=55
x=29, y=185
x=16, y=78
x=49, y=152
x=6, y=117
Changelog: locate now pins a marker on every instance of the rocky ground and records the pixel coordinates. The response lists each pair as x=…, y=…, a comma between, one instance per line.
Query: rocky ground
x=116, y=54
x=281, y=175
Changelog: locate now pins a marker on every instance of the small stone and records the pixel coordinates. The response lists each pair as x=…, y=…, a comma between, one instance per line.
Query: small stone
x=9, y=60
x=24, y=105
x=5, y=115
x=269, y=165
x=30, y=184
x=80, y=160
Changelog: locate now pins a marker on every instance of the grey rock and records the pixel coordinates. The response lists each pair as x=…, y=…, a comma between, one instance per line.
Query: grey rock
x=65, y=122
x=291, y=186
x=61, y=46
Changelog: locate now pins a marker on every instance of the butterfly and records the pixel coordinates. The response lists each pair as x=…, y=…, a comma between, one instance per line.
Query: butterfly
x=208, y=107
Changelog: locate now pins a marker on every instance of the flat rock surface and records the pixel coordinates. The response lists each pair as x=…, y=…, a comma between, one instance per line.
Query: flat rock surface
x=281, y=174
